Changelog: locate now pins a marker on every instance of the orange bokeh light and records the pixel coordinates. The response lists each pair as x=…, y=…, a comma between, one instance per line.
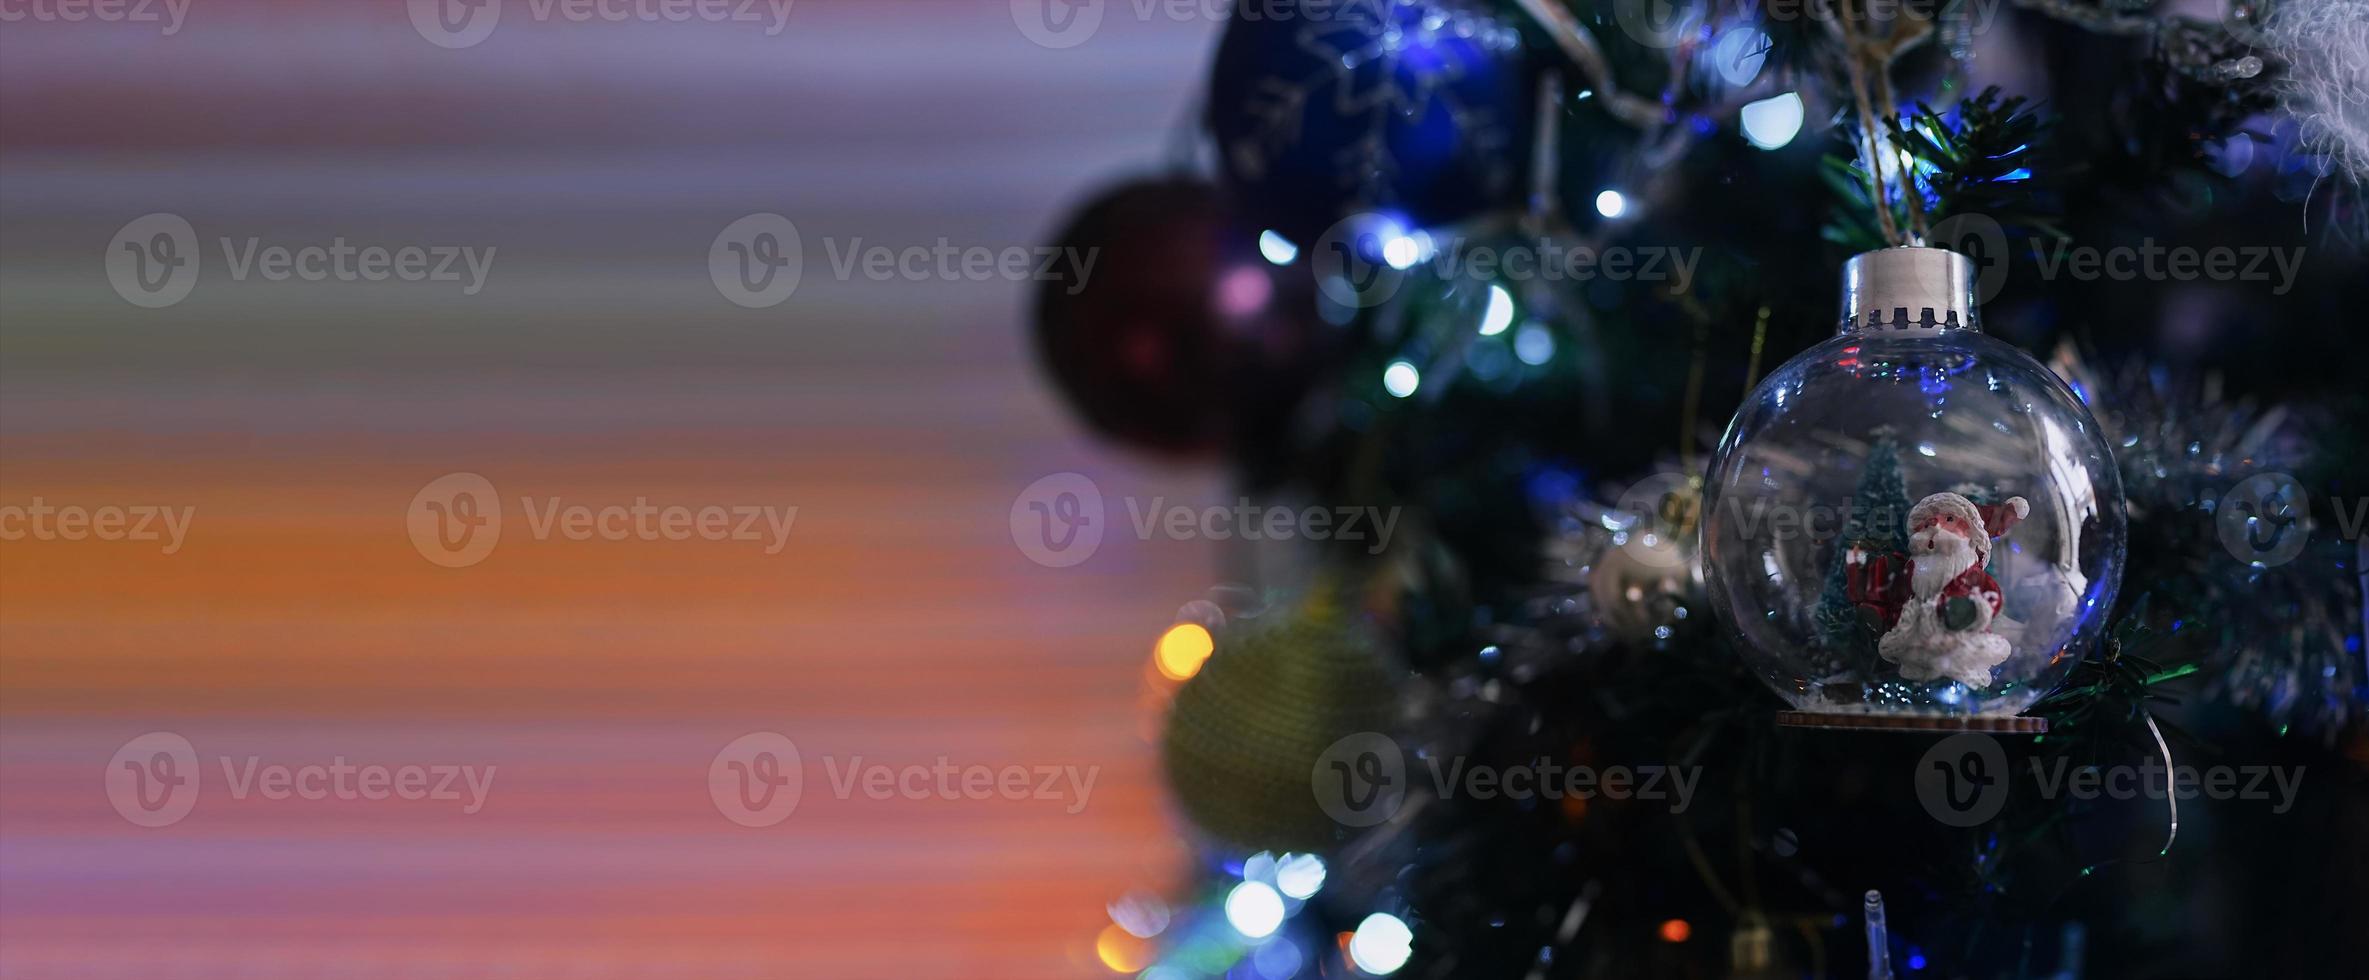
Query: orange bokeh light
x=1121, y=951
x=1182, y=650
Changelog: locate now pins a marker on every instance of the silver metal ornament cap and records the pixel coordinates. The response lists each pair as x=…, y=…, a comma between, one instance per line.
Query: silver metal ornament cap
x=1909, y=290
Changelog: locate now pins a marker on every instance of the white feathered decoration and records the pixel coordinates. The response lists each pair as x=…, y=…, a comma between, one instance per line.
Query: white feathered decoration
x=2325, y=44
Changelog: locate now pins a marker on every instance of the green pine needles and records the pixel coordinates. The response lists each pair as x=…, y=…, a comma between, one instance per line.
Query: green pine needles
x=1981, y=160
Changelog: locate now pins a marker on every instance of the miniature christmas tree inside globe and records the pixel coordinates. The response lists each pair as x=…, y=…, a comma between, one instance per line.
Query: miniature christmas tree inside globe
x=1912, y=525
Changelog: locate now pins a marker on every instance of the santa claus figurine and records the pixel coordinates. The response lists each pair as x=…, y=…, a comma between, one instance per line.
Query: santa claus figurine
x=1945, y=626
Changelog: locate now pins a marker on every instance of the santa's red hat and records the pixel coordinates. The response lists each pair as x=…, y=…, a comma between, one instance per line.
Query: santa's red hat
x=1993, y=520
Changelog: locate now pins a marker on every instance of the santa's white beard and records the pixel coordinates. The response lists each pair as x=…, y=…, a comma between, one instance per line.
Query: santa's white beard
x=1926, y=649
x=1941, y=556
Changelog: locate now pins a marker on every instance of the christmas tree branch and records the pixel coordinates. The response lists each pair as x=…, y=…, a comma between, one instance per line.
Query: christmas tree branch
x=1979, y=158
x=2201, y=50
x=1586, y=55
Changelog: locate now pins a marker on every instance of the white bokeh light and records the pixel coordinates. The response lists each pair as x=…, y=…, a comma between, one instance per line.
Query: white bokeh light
x=1276, y=248
x=1534, y=345
x=1771, y=123
x=1739, y=54
x=1299, y=875
x=1381, y=944
x=1500, y=314
x=1254, y=909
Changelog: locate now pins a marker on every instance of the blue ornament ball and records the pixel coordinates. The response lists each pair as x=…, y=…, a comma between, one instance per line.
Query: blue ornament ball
x=1326, y=108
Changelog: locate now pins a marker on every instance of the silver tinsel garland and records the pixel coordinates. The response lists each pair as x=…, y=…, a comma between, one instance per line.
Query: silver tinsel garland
x=2280, y=637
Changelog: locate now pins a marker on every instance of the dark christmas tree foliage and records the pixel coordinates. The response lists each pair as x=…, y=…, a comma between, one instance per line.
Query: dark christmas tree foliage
x=1547, y=639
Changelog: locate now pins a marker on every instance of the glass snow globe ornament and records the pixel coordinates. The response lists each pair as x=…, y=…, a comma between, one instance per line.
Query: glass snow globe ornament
x=1912, y=525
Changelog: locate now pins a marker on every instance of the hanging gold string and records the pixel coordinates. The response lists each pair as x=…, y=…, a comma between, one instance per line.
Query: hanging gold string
x=1908, y=173
x=1867, y=63
x=1855, y=56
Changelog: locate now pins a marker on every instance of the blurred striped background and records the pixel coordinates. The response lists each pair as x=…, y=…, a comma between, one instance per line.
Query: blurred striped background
x=297, y=624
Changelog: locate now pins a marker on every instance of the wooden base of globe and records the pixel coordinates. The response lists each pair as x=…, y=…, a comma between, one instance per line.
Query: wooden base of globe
x=1860, y=721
